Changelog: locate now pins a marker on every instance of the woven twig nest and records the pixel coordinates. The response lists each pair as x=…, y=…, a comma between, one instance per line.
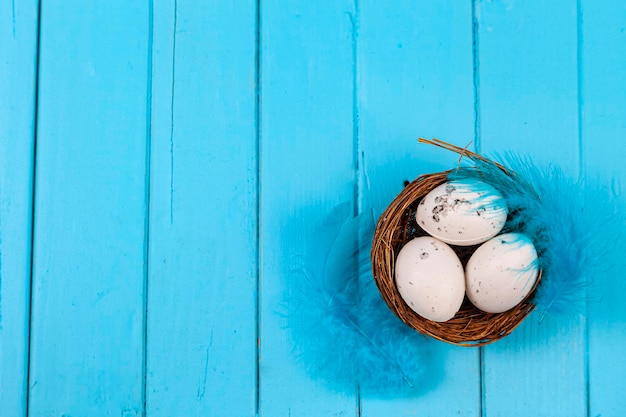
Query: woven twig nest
x=397, y=225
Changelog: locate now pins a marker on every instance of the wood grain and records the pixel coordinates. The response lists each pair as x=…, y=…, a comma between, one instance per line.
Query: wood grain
x=201, y=332
x=187, y=151
x=603, y=111
x=529, y=105
x=307, y=169
x=415, y=79
x=18, y=62
x=90, y=206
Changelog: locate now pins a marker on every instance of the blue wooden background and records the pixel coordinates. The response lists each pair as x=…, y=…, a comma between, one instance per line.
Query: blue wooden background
x=162, y=162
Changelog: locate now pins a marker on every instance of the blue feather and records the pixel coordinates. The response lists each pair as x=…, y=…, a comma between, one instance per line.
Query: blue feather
x=569, y=221
x=342, y=330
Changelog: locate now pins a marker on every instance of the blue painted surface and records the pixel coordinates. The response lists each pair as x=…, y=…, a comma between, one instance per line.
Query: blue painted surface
x=18, y=62
x=306, y=166
x=181, y=154
x=529, y=104
x=202, y=263
x=603, y=116
x=418, y=57
x=89, y=245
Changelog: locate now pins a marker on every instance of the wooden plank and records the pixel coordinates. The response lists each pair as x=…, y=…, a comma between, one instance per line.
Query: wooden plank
x=528, y=104
x=528, y=80
x=89, y=247
x=306, y=169
x=603, y=53
x=415, y=79
x=18, y=60
x=203, y=244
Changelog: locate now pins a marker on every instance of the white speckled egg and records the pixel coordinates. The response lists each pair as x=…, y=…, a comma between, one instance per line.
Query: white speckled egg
x=429, y=277
x=462, y=212
x=501, y=272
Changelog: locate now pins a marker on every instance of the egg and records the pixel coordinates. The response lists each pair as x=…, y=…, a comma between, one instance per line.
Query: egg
x=501, y=272
x=430, y=278
x=462, y=212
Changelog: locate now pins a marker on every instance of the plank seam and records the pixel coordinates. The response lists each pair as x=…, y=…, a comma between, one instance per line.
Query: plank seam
x=477, y=148
x=356, y=144
x=476, y=74
x=32, y=211
x=258, y=162
x=13, y=22
x=482, y=389
x=1, y=327
x=579, y=84
x=172, y=102
x=147, y=185
x=581, y=173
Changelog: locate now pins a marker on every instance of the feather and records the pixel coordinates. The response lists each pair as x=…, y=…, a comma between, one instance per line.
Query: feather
x=568, y=220
x=343, y=332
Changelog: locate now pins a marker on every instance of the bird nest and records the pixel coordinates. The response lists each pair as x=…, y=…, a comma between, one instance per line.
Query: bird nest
x=397, y=226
